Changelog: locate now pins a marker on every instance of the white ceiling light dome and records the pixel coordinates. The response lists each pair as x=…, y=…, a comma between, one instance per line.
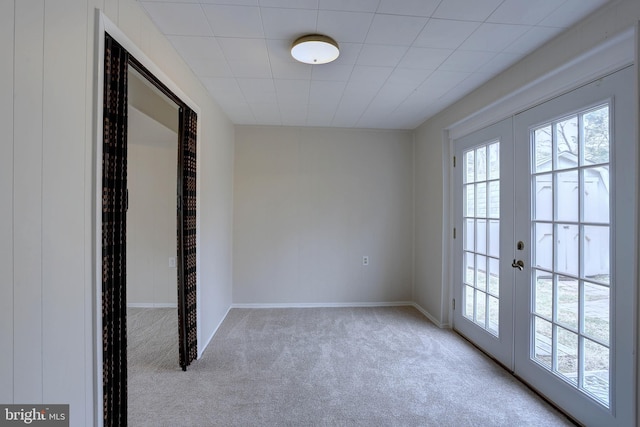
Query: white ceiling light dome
x=315, y=49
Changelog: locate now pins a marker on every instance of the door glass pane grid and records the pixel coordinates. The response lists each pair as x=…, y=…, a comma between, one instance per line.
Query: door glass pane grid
x=571, y=294
x=481, y=236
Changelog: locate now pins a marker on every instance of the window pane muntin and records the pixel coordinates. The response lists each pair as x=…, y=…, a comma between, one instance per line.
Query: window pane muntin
x=481, y=194
x=593, y=201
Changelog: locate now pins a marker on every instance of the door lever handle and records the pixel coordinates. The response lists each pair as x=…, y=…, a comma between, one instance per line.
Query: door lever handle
x=519, y=264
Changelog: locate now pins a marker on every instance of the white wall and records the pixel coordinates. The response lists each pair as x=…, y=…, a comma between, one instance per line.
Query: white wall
x=431, y=289
x=46, y=185
x=151, y=218
x=310, y=203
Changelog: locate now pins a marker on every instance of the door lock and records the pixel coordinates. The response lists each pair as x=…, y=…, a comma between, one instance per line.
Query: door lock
x=519, y=264
x=520, y=245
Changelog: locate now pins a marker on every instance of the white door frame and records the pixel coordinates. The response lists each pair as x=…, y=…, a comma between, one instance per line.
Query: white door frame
x=615, y=53
x=103, y=24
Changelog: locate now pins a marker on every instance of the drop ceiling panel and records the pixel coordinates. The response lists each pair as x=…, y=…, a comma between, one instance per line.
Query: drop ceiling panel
x=381, y=55
x=395, y=30
x=467, y=10
x=234, y=21
x=408, y=7
x=298, y=4
x=288, y=24
x=344, y=26
x=424, y=58
x=445, y=33
x=570, y=12
x=350, y=5
x=194, y=48
x=493, y=37
x=400, y=61
x=525, y=13
x=179, y=19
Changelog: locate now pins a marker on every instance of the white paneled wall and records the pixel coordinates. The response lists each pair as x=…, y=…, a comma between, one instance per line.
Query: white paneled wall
x=310, y=203
x=63, y=198
x=27, y=200
x=46, y=186
x=6, y=198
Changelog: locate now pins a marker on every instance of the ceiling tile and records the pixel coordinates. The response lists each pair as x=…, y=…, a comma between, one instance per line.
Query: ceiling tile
x=226, y=89
x=465, y=10
x=251, y=69
x=445, y=33
x=293, y=4
x=234, y=21
x=391, y=95
x=326, y=92
x=288, y=24
x=344, y=26
x=401, y=61
x=395, y=30
x=407, y=77
x=210, y=68
x=266, y=114
x=408, y=7
x=192, y=47
x=570, y=12
x=369, y=76
x=320, y=115
x=331, y=72
x=381, y=55
x=292, y=91
x=244, y=49
x=179, y=19
x=293, y=115
x=279, y=50
x=532, y=39
x=493, y=37
x=424, y=58
x=440, y=82
x=350, y=5
x=467, y=61
x=232, y=2
x=349, y=53
x=499, y=63
x=523, y=12
x=290, y=70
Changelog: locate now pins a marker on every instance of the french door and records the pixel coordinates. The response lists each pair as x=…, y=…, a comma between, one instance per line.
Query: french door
x=544, y=274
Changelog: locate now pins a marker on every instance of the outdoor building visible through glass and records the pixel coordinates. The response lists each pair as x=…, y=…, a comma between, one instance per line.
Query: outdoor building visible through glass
x=571, y=295
x=482, y=236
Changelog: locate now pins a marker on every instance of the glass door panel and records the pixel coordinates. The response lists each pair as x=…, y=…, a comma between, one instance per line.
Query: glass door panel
x=484, y=281
x=568, y=304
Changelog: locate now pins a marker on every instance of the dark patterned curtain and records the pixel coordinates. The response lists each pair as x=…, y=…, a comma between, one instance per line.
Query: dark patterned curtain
x=187, y=239
x=114, y=232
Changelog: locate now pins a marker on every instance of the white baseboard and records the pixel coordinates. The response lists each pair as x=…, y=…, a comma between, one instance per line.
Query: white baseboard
x=152, y=305
x=201, y=349
x=430, y=316
x=323, y=304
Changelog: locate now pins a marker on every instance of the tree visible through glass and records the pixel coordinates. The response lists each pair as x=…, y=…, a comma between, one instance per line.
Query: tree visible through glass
x=570, y=313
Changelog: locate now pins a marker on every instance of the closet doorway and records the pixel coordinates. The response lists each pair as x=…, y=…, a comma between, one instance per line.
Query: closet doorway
x=115, y=202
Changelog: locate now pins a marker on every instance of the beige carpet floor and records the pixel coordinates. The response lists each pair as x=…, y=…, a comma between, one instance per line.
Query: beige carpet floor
x=323, y=367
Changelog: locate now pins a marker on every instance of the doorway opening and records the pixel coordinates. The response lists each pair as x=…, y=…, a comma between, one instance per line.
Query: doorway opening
x=114, y=207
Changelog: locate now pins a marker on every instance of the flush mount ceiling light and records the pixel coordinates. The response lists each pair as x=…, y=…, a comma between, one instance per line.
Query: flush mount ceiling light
x=315, y=49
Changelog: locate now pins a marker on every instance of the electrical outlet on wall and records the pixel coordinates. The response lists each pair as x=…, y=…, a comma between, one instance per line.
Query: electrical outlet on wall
x=365, y=260
x=172, y=262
